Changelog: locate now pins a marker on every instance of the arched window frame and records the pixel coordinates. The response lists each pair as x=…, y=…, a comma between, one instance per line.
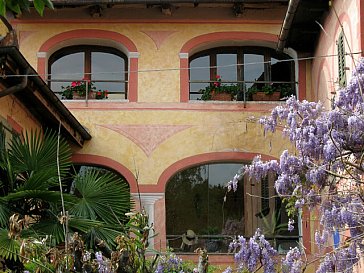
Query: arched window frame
x=87, y=50
x=266, y=52
x=254, y=210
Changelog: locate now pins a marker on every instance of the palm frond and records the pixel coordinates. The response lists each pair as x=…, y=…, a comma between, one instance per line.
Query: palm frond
x=38, y=152
x=9, y=248
x=103, y=233
x=102, y=196
x=4, y=212
x=42, y=180
x=51, y=227
x=45, y=195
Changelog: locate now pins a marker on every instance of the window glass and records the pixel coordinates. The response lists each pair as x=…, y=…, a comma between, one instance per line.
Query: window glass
x=105, y=68
x=226, y=67
x=195, y=204
x=253, y=68
x=259, y=69
x=67, y=69
x=280, y=71
x=199, y=71
x=201, y=190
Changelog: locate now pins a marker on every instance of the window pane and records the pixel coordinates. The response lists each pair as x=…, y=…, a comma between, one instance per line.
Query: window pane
x=195, y=201
x=67, y=69
x=106, y=67
x=199, y=71
x=226, y=67
x=281, y=72
x=253, y=68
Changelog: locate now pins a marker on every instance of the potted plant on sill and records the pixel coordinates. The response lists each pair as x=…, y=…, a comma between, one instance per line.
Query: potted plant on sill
x=218, y=91
x=101, y=94
x=78, y=89
x=285, y=90
x=266, y=93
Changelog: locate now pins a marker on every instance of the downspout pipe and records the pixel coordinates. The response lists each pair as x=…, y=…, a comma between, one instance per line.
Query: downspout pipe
x=287, y=23
x=18, y=87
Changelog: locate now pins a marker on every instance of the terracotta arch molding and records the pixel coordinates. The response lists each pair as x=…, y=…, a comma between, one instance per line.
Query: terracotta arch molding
x=92, y=34
x=212, y=38
x=216, y=157
x=109, y=163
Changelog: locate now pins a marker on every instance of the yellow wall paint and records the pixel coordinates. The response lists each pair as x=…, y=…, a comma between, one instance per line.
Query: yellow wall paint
x=209, y=131
x=153, y=85
x=9, y=106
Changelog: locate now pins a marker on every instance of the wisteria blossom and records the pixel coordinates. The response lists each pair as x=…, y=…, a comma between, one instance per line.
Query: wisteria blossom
x=325, y=170
x=169, y=263
x=252, y=254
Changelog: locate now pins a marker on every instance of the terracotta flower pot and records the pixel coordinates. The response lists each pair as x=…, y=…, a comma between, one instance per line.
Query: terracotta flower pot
x=261, y=96
x=221, y=96
x=91, y=96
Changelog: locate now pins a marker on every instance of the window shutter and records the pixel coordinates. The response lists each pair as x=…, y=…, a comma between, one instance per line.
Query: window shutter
x=264, y=191
x=341, y=59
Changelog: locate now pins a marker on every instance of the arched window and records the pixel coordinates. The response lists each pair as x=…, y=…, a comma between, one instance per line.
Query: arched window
x=100, y=68
x=195, y=202
x=247, y=67
x=201, y=213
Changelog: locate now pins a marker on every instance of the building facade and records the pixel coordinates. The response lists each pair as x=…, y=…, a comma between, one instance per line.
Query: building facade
x=175, y=150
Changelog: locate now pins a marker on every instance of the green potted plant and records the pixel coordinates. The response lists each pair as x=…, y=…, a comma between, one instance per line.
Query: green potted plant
x=219, y=91
x=285, y=90
x=272, y=226
x=78, y=89
x=101, y=94
x=267, y=93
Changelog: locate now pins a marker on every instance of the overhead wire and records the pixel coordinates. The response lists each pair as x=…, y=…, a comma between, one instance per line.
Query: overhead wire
x=188, y=68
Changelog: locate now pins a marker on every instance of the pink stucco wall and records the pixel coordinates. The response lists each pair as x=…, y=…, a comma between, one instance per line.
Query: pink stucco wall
x=343, y=15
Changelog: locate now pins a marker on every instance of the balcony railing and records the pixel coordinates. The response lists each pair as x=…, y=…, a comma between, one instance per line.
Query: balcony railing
x=220, y=243
x=246, y=89
x=115, y=89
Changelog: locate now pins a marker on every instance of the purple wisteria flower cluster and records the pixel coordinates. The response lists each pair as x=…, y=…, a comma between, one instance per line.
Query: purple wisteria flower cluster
x=169, y=263
x=293, y=262
x=326, y=169
x=252, y=254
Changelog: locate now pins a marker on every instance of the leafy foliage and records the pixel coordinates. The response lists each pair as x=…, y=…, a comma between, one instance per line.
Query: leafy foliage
x=29, y=191
x=18, y=6
x=324, y=172
x=218, y=87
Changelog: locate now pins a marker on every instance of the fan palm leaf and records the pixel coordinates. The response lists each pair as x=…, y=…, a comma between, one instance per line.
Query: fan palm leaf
x=9, y=248
x=101, y=196
x=38, y=153
x=4, y=212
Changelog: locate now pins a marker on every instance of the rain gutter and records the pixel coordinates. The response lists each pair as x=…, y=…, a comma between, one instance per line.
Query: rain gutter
x=287, y=23
x=48, y=94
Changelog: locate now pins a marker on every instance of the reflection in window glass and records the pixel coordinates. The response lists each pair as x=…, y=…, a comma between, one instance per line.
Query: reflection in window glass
x=67, y=67
x=226, y=66
x=201, y=190
x=253, y=68
x=195, y=201
x=199, y=71
x=107, y=67
x=280, y=71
